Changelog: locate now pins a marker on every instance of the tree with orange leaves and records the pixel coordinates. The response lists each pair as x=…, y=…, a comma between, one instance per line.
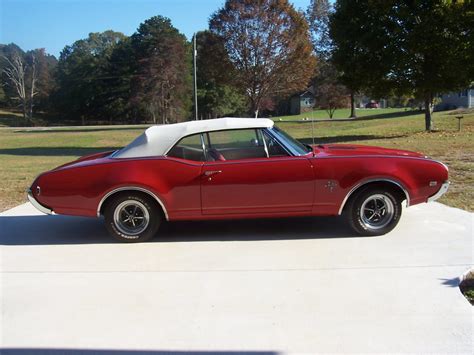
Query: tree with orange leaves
x=268, y=42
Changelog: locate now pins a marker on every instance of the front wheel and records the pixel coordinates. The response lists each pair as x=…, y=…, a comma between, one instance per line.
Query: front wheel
x=132, y=217
x=374, y=212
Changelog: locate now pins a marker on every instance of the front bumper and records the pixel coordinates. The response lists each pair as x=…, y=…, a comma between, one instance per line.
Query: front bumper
x=442, y=190
x=38, y=205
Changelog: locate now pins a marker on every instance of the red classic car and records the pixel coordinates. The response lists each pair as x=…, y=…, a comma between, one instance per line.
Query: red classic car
x=237, y=168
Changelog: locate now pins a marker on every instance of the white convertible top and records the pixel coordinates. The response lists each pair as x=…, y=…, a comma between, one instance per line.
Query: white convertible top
x=158, y=140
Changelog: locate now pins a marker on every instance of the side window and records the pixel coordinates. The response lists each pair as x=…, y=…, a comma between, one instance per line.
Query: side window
x=274, y=148
x=189, y=148
x=235, y=144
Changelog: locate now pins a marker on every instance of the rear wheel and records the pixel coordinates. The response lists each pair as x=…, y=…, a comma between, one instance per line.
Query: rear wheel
x=132, y=217
x=374, y=211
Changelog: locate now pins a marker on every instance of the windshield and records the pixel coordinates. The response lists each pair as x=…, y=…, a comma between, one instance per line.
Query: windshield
x=296, y=146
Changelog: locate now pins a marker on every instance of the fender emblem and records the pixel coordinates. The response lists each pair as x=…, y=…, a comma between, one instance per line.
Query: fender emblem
x=330, y=185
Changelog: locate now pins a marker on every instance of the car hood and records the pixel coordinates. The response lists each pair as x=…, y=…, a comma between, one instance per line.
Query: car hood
x=361, y=150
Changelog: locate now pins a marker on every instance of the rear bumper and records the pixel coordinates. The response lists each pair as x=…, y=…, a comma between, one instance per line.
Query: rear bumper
x=38, y=205
x=442, y=190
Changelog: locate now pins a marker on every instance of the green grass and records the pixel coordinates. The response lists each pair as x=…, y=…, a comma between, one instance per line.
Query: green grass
x=25, y=153
x=15, y=119
x=470, y=295
x=9, y=119
x=344, y=114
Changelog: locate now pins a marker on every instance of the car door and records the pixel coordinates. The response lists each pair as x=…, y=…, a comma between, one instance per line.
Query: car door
x=241, y=176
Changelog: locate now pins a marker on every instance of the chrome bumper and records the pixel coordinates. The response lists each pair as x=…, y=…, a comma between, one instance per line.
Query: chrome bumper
x=442, y=190
x=37, y=205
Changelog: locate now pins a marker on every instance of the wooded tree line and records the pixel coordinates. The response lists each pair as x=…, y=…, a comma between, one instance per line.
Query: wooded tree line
x=254, y=56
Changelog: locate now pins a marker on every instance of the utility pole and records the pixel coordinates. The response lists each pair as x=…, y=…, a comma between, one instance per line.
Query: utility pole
x=195, y=79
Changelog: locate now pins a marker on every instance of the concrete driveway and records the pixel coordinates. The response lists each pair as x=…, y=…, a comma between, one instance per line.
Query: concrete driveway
x=271, y=286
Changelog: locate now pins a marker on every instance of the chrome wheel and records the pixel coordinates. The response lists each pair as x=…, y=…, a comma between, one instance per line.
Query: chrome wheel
x=131, y=217
x=376, y=211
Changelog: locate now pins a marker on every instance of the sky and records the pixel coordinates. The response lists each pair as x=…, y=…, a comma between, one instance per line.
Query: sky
x=53, y=24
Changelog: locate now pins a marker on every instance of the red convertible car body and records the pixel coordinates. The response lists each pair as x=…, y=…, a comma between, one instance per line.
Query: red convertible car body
x=237, y=168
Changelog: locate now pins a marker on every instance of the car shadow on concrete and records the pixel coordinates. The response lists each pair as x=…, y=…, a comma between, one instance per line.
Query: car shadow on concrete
x=32, y=351
x=49, y=230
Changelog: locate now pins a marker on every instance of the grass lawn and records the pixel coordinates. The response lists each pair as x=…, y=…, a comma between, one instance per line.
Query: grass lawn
x=344, y=114
x=15, y=119
x=8, y=118
x=25, y=153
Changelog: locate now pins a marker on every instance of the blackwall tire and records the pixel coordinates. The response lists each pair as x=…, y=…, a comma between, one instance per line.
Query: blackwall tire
x=374, y=211
x=132, y=217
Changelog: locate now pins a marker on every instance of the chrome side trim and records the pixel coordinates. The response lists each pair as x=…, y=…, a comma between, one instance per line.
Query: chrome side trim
x=132, y=188
x=38, y=205
x=262, y=134
x=442, y=190
x=203, y=145
x=368, y=182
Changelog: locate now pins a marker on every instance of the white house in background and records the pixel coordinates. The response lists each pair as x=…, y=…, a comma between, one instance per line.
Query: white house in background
x=302, y=102
x=461, y=99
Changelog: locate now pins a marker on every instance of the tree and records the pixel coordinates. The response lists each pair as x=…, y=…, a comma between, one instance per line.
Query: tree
x=32, y=78
x=23, y=80
x=268, y=43
x=162, y=84
x=329, y=93
x=318, y=14
x=421, y=47
x=3, y=96
x=353, y=61
x=15, y=72
x=81, y=91
x=27, y=78
x=45, y=66
x=118, y=76
x=9, y=51
x=218, y=94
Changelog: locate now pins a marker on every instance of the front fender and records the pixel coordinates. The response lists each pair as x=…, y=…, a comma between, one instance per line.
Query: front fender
x=338, y=177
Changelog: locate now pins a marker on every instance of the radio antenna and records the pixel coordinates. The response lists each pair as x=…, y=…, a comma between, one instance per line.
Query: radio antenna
x=196, y=117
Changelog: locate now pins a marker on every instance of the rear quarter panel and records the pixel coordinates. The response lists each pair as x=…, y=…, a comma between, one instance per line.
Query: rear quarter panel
x=78, y=189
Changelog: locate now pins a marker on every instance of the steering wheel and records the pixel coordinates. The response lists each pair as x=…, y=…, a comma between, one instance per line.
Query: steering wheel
x=215, y=154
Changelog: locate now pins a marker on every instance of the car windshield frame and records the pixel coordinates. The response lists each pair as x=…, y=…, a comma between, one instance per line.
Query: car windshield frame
x=294, y=146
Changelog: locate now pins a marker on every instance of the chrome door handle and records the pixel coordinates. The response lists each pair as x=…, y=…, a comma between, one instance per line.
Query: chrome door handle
x=212, y=172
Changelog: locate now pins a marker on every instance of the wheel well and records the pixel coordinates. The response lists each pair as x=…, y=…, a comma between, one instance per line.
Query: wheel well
x=156, y=201
x=396, y=189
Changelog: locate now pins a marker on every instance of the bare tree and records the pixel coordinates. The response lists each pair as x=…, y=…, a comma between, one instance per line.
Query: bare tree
x=32, y=92
x=16, y=73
